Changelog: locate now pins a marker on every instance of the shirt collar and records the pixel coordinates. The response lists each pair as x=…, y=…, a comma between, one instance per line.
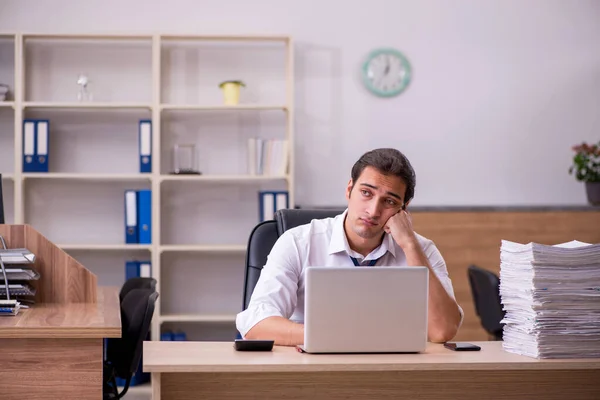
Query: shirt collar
x=339, y=241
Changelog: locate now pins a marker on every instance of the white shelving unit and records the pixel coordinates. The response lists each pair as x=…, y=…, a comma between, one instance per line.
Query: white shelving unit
x=200, y=222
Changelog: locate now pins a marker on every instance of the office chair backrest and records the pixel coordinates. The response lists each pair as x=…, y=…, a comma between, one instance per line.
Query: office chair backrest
x=263, y=238
x=2, y=220
x=485, y=288
x=287, y=219
x=124, y=353
x=136, y=283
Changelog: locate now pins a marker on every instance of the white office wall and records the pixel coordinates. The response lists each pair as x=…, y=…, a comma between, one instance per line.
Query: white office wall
x=501, y=89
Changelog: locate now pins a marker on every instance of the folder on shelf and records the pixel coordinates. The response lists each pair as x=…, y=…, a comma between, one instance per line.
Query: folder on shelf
x=144, y=207
x=270, y=202
x=131, y=217
x=266, y=206
x=176, y=336
x=282, y=200
x=145, y=145
x=29, y=161
x=135, y=269
x=42, y=138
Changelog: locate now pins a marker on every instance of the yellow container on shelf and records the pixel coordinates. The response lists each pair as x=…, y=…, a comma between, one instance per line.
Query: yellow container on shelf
x=231, y=92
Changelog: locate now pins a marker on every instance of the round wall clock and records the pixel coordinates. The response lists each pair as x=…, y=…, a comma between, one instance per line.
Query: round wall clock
x=386, y=72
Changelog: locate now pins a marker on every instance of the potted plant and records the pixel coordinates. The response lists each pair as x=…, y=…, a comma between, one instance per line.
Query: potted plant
x=231, y=91
x=586, y=166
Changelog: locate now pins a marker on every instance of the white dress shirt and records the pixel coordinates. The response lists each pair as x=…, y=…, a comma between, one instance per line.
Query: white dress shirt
x=280, y=288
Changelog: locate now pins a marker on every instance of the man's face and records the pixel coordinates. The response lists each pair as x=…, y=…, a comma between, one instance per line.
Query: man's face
x=372, y=200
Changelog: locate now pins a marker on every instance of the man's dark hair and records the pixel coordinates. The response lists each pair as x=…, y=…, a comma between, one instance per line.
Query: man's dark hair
x=388, y=162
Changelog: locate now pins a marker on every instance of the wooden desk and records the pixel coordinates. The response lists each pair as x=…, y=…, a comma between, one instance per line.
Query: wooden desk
x=55, y=351
x=214, y=370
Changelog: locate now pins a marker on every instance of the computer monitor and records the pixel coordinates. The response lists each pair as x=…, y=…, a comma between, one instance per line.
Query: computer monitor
x=1, y=203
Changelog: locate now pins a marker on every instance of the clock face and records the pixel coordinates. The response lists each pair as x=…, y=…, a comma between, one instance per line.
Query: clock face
x=386, y=72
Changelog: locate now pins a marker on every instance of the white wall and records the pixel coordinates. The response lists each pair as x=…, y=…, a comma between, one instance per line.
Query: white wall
x=501, y=89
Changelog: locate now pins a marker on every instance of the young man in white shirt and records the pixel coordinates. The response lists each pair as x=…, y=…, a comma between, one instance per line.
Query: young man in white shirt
x=375, y=230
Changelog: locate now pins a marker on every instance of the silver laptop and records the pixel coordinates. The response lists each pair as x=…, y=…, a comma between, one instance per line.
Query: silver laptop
x=365, y=309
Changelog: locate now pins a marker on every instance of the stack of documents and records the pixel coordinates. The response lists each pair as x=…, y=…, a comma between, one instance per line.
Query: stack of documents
x=17, y=256
x=9, y=307
x=551, y=295
x=16, y=271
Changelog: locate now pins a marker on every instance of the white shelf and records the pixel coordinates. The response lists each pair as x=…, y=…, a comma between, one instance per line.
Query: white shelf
x=155, y=88
x=87, y=177
x=85, y=105
x=106, y=247
x=197, y=318
x=206, y=248
x=84, y=36
x=223, y=178
x=234, y=38
x=242, y=107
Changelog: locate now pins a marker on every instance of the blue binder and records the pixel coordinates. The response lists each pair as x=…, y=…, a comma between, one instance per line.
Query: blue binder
x=271, y=201
x=131, y=217
x=29, y=145
x=177, y=336
x=42, y=133
x=134, y=269
x=145, y=145
x=144, y=207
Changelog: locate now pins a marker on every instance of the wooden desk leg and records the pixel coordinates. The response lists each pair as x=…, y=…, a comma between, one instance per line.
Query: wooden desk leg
x=155, y=379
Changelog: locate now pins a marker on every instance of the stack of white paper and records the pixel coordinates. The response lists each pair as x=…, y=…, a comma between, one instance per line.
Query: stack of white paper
x=551, y=295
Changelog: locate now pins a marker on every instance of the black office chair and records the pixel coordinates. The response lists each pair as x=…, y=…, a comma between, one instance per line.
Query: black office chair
x=485, y=287
x=136, y=283
x=265, y=234
x=123, y=354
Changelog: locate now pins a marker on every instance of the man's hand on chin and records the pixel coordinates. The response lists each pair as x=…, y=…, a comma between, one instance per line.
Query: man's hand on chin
x=400, y=227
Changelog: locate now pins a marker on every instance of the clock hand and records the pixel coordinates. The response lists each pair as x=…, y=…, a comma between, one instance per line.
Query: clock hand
x=387, y=66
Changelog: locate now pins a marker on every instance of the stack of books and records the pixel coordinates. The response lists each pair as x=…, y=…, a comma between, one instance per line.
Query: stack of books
x=268, y=157
x=551, y=295
x=9, y=307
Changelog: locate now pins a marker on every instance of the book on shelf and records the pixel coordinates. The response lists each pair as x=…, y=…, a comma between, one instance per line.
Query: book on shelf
x=267, y=156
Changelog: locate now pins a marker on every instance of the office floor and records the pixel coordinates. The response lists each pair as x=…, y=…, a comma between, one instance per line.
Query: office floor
x=142, y=392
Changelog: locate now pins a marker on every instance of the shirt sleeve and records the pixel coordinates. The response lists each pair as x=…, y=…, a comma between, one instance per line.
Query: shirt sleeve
x=276, y=292
x=438, y=264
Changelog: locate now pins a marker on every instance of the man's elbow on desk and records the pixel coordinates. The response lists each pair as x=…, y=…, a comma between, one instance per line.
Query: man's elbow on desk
x=442, y=335
x=444, y=330
x=283, y=331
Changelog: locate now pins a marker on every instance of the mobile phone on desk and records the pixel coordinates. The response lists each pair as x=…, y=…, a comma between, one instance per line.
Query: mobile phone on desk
x=461, y=346
x=253, y=344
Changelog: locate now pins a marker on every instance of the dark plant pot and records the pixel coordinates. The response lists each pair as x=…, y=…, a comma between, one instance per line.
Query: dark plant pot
x=593, y=192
